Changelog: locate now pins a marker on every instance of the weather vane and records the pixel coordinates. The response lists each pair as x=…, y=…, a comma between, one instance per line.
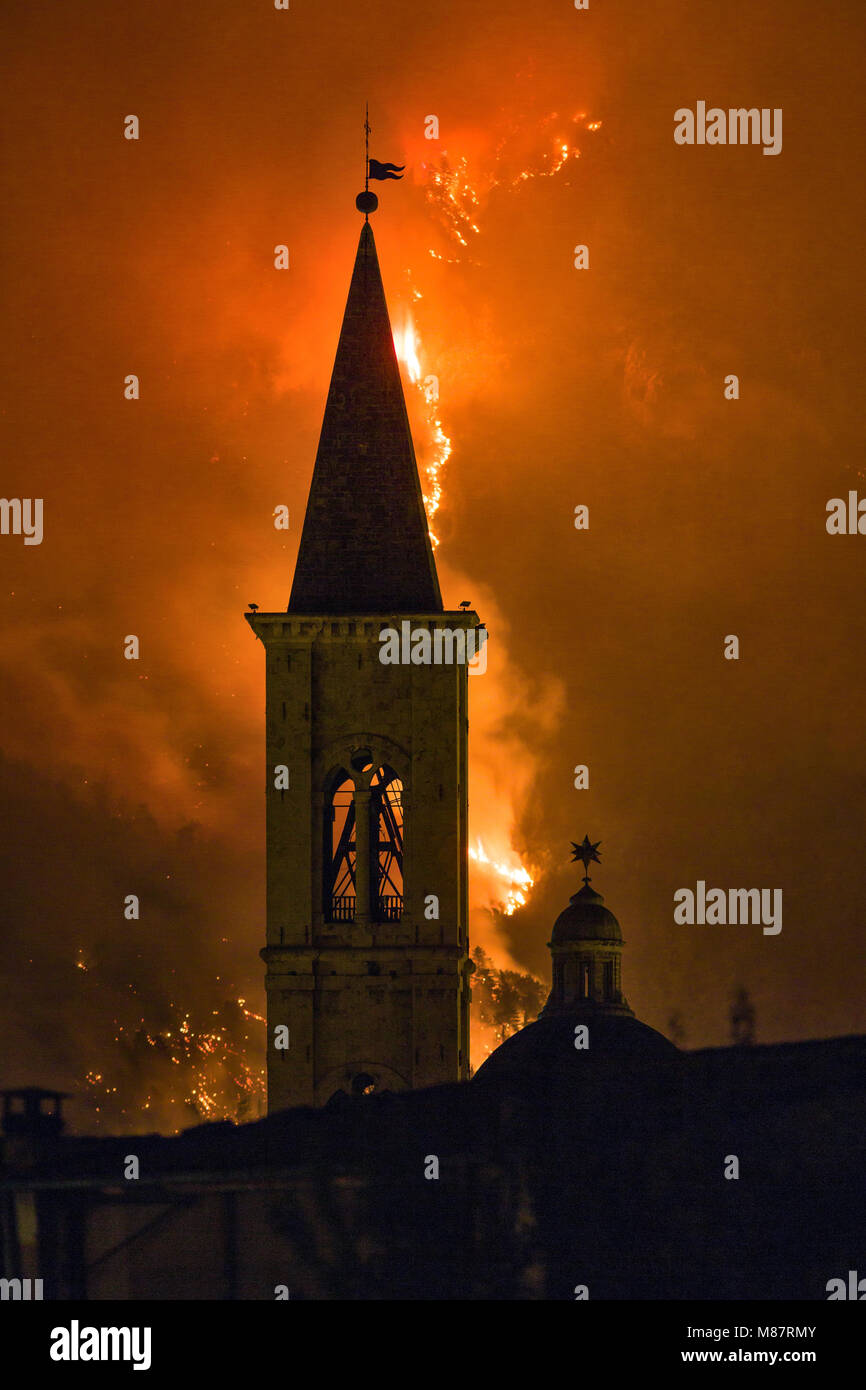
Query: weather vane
x=586, y=854
x=367, y=202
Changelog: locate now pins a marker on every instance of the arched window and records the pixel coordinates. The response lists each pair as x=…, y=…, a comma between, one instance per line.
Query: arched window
x=585, y=979
x=339, y=894
x=386, y=845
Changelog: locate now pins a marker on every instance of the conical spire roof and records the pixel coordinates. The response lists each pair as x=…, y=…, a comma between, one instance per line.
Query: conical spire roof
x=365, y=546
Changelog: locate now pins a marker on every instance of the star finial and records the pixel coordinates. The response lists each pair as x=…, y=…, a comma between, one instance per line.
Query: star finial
x=586, y=854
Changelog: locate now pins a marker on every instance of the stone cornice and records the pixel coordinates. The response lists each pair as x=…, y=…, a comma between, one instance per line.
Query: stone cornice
x=303, y=629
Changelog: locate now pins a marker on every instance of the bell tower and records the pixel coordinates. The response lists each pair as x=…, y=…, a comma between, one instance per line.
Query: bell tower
x=366, y=758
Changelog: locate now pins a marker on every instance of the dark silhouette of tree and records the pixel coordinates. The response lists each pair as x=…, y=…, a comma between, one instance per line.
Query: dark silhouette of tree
x=505, y=999
x=676, y=1028
x=741, y=1016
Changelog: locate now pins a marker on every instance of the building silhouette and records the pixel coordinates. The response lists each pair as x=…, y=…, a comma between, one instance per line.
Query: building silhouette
x=597, y=1172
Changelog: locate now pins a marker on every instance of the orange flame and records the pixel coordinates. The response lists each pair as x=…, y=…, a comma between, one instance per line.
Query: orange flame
x=407, y=346
x=510, y=877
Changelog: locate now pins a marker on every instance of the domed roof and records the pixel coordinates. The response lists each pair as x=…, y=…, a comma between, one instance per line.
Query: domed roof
x=546, y=1049
x=585, y=919
x=586, y=992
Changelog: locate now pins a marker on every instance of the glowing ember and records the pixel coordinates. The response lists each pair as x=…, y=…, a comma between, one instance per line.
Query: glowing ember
x=451, y=192
x=186, y=1073
x=458, y=199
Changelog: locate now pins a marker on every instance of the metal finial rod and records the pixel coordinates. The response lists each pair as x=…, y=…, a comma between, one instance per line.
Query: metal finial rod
x=367, y=202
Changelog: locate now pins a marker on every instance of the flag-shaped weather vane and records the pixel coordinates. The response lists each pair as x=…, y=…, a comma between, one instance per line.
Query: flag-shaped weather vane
x=367, y=202
x=587, y=854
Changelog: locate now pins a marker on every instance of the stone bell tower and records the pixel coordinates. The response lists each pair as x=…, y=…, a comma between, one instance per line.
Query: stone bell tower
x=366, y=763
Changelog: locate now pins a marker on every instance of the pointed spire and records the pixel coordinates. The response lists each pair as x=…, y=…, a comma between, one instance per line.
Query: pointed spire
x=365, y=546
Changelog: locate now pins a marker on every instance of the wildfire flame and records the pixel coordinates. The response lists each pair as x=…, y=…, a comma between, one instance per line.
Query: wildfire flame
x=514, y=881
x=458, y=199
x=407, y=347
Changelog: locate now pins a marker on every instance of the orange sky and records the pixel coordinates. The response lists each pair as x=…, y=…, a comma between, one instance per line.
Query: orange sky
x=557, y=387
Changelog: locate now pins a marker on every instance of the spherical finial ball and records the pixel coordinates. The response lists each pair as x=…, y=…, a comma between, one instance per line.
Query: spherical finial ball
x=366, y=202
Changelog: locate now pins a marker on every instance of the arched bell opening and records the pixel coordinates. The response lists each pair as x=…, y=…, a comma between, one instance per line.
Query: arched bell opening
x=340, y=849
x=386, y=845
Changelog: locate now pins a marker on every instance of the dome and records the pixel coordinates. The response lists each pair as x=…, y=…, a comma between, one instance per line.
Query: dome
x=546, y=1050
x=585, y=919
x=586, y=946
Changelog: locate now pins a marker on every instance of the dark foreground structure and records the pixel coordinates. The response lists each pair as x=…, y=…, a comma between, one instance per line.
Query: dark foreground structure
x=609, y=1176
x=587, y=1158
